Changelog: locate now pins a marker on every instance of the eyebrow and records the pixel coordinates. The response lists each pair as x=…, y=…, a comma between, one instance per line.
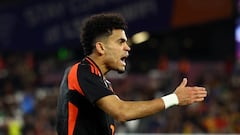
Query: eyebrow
x=122, y=40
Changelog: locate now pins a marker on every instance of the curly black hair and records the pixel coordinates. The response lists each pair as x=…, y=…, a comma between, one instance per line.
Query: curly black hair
x=98, y=25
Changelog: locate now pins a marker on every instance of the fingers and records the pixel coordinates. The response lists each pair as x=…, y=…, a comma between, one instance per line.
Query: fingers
x=183, y=83
x=200, y=91
x=199, y=88
x=188, y=95
x=199, y=94
x=199, y=99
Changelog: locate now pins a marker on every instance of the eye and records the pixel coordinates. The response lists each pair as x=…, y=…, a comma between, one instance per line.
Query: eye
x=122, y=41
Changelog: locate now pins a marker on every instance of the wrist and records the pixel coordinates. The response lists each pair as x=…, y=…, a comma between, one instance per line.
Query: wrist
x=170, y=100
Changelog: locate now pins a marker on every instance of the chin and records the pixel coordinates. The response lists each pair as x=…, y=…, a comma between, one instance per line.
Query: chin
x=121, y=71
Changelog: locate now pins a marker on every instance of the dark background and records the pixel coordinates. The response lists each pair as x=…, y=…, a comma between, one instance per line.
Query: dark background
x=199, y=30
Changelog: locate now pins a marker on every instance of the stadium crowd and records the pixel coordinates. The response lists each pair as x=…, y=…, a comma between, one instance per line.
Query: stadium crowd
x=29, y=88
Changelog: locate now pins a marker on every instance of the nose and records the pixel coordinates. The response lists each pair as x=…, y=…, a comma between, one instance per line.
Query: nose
x=127, y=47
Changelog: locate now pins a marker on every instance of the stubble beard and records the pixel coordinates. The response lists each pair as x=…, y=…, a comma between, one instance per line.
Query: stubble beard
x=122, y=71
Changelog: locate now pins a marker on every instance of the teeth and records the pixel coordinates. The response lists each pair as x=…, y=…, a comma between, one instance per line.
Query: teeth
x=123, y=62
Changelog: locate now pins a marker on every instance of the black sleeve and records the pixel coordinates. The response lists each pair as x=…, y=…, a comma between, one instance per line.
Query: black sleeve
x=92, y=85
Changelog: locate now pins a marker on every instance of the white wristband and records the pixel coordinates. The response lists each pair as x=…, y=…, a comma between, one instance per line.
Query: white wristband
x=170, y=100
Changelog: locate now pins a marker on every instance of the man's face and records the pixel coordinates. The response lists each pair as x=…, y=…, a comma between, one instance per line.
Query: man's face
x=116, y=51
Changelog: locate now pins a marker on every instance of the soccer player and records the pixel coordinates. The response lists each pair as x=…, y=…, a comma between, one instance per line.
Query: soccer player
x=87, y=104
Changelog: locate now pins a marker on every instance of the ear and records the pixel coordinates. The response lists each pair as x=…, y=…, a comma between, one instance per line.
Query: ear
x=100, y=47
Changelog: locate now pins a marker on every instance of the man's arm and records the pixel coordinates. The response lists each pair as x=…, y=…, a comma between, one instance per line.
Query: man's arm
x=128, y=110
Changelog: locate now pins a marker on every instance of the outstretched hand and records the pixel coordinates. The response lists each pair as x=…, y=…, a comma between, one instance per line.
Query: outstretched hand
x=188, y=95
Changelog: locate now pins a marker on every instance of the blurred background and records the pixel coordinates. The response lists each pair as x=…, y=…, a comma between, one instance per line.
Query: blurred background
x=197, y=39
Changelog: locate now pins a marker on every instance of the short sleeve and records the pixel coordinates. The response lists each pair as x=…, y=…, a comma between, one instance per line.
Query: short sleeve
x=92, y=84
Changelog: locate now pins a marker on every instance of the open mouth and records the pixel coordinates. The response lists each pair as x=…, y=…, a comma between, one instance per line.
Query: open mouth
x=123, y=60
